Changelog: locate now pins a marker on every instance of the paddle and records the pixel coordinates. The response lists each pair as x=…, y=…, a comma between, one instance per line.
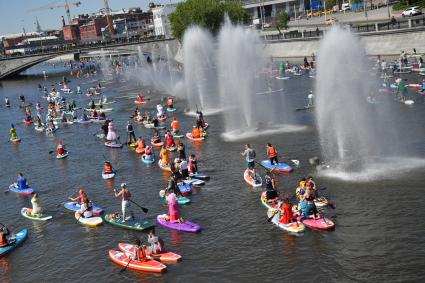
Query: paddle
x=125, y=267
x=271, y=217
x=81, y=214
x=145, y=210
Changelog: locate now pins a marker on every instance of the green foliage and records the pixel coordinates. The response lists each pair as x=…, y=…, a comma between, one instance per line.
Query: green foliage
x=283, y=19
x=205, y=13
x=402, y=5
x=330, y=4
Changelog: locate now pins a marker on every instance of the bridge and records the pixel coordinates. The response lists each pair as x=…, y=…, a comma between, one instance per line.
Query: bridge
x=12, y=65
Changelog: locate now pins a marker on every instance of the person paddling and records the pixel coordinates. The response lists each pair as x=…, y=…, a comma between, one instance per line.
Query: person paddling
x=310, y=99
x=141, y=146
x=21, y=182
x=12, y=131
x=196, y=133
x=193, y=164
x=140, y=99
x=107, y=168
x=271, y=192
x=7, y=101
x=111, y=137
x=169, y=139
x=60, y=149
x=173, y=208
x=125, y=196
x=139, y=252
x=175, y=126
x=287, y=214
x=36, y=205
x=130, y=133
x=272, y=154
x=80, y=198
x=86, y=209
x=165, y=156
x=249, y=154
x=170, y=103
x=156, y=243
x=148, y=153
x=5, y=236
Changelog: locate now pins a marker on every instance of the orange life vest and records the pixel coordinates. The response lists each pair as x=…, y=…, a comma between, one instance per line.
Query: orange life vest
x=196, y=133
x=107, y=169
x=272, y=152
x=175, y=125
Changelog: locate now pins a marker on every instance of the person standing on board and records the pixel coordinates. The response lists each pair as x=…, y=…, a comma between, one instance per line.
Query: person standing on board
x=272, y=154
x=125, y=195
x=249, y=154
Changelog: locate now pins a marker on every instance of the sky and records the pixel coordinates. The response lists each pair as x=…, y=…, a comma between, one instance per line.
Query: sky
x=16, y=15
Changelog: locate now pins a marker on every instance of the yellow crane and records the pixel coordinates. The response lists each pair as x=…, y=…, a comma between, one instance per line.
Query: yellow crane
x=56, y=5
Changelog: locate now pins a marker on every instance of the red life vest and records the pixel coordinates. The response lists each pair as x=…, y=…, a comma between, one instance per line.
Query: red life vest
x=287, y=214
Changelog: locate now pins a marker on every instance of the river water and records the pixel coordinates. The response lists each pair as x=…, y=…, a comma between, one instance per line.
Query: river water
x=379, y=224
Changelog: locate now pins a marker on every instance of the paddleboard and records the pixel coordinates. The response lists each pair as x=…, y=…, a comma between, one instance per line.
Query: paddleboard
x=170, y=257
x=281, y=167
x=166, y=168
x=16, y=140
x=190, y=137
x=85, y=121
x=318, y=224
x=39, y=129
x=23, y=192
x=194, y=182
x=148, y=160
x=294, y=227
x=27, y=122
x=186, y=226
x=253, y=182
x=76, y=206
x=409, y=102
x=26, y=212
x=108, y=176
x=132, y=224
x=199, y=176
x=60, y=156
x=92, y=221
x=283, y=78
x=113, y=145
x=16, y=241
x=171, y=109
x=184, y=188
x=122, y=259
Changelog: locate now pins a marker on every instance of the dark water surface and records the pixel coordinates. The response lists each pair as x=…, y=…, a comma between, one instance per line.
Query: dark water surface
x=379, y=225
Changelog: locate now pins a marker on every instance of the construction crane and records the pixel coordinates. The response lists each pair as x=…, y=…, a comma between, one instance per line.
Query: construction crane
x=108, y=16
x=52, y=6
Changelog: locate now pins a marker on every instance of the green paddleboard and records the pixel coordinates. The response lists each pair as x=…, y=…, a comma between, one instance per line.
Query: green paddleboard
x=132, y=224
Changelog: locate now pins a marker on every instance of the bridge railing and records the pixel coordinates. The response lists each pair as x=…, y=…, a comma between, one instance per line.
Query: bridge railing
x=69, y=46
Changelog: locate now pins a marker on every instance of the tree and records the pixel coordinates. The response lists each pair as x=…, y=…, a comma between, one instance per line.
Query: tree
x=283, y=19
x=205, y=13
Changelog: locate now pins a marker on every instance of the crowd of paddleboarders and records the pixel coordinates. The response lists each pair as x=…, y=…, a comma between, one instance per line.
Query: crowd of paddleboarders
x=182, y=167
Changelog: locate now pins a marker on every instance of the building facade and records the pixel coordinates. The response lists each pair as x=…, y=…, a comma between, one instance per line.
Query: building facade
x=267, y=10
x=161, y=21
x=71, y=33
x=93, y=29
